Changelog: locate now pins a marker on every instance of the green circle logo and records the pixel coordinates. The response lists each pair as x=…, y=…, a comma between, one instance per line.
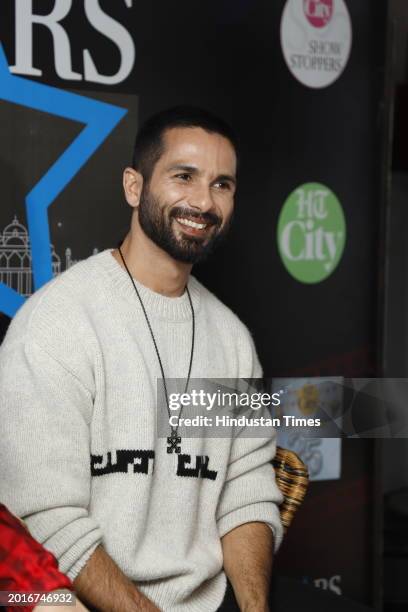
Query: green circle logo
x=311, y=233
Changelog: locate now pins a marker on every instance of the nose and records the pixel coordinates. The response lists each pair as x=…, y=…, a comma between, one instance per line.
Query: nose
x=202, y=199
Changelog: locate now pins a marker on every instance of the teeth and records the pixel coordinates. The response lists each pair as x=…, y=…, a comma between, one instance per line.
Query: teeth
x=191, y=223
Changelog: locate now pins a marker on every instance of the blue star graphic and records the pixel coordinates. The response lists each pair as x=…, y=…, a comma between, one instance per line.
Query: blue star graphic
x=99, y=119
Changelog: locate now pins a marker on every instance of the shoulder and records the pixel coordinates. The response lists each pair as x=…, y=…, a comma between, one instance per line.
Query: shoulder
x=60, y=305
x=228, y=329
x=223, y=318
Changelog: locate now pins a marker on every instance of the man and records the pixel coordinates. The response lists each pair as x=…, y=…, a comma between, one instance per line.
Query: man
x=140, y=529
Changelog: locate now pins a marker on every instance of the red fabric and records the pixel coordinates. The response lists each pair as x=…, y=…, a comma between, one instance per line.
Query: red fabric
x=25, y=565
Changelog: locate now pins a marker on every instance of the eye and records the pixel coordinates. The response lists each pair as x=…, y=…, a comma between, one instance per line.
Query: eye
x=184, y=176
x=223, y=185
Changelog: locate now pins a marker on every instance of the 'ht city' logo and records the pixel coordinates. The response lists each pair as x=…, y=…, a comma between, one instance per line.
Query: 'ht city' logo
x=311, y=233
x=103, y=23
x=318, y=12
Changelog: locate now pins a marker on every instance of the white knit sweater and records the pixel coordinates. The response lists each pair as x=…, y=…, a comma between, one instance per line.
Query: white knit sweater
x=78, y=375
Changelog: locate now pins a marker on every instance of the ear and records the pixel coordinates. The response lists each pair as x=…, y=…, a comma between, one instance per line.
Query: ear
x=132, y=186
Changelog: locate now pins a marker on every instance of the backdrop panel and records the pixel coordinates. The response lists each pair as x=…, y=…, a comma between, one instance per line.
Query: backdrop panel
x=302, y=84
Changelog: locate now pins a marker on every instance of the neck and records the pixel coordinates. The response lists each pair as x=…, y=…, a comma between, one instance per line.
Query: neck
x=152, y=266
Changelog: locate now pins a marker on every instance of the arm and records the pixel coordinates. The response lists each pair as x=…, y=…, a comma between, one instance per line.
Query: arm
x=250, y=493
x=249, y=522
x=248, y=553
x=248, y=516
x=46, y=404
x=103, y=585
x=45, y=451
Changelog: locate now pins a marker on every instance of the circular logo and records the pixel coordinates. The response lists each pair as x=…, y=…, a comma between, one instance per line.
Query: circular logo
x=318, y=12
x=316, y=38
x=311, y=233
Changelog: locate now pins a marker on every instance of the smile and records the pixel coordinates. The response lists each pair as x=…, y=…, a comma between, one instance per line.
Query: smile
x=193, y=224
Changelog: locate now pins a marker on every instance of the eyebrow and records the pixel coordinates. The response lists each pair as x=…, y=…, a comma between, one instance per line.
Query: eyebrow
x=194, y=170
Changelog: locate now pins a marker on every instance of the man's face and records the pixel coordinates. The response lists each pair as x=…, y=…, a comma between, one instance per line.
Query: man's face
x=187, y=205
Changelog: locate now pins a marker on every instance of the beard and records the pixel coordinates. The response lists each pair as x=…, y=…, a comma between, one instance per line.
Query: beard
x=158, y=225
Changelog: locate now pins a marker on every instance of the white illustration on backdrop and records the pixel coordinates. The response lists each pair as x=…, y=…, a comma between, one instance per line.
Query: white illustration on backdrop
x=15, y=258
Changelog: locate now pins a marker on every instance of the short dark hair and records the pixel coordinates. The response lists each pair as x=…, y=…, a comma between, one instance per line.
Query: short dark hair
x=149, y=144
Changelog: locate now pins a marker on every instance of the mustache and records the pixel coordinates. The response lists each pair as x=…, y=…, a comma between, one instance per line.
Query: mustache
x=204, y=217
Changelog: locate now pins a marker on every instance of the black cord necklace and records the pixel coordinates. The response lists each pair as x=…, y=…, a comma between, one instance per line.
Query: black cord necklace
x=174, y=440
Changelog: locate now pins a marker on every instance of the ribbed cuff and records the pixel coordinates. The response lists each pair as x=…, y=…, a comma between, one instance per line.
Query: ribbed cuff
x=75, y=569
x=73, y=539
x=263, y=512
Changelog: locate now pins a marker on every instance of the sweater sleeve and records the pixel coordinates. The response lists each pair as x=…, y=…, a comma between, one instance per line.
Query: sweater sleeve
x=45, y=451
x=250, y=491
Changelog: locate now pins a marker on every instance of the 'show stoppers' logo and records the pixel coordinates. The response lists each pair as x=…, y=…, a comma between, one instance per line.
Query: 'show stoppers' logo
x=316, y=37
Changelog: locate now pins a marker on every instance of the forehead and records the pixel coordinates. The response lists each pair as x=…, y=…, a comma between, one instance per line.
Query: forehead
x=195, y=146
